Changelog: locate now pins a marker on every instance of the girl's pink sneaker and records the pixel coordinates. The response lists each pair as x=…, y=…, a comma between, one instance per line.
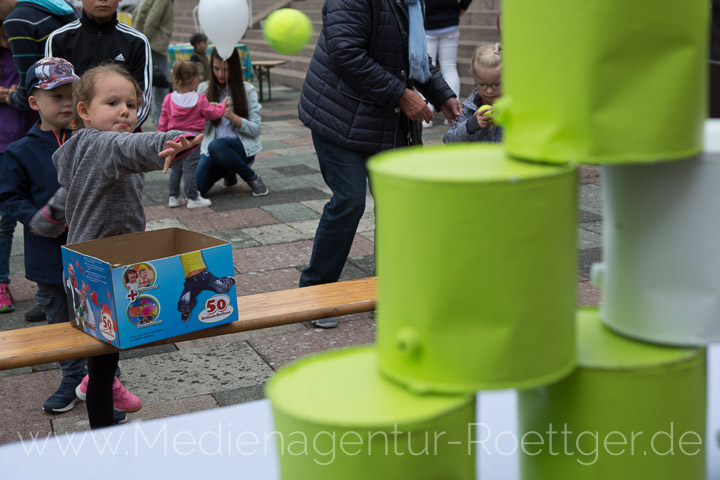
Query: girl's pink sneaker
x=123, y=400
x=6, y=300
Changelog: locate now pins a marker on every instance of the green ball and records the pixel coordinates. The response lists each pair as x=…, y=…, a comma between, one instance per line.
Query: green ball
x=486, y=110
x=287, y=30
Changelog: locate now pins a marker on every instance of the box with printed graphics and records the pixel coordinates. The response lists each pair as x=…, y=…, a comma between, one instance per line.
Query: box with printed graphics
x=139, y=288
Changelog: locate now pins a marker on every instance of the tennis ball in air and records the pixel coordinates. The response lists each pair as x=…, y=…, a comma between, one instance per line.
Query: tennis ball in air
x=287, y=30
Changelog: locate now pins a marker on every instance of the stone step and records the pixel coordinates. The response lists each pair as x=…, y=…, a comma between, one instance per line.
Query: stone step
x=255, y=42
x=262, y=51
x=478, y=5
x=287, y=77
x=482, y=17
x=467, y=47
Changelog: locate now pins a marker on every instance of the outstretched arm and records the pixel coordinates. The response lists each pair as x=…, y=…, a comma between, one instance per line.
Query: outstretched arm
x=179, y=148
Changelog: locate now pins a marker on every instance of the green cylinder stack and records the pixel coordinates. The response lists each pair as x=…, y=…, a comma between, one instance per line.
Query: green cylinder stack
x=337, y=418
x=598, y=81
x=476, y=263
x=630, y=410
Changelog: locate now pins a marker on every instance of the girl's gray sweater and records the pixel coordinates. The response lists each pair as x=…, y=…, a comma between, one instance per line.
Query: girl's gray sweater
x=103, y=175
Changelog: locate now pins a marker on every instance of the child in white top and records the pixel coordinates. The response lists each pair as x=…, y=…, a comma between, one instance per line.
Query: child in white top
x=186, y=109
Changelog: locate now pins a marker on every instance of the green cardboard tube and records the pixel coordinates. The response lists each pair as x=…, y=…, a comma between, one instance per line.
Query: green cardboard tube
x=476, y=264
x=336, y=417
x=631, y=410
x=604, y=82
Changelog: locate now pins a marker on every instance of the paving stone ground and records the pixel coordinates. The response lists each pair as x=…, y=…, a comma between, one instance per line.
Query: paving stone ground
x=271, y=238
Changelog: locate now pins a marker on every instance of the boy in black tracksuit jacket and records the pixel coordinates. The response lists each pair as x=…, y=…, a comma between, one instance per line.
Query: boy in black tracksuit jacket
x=27, y=26
x=98, y=37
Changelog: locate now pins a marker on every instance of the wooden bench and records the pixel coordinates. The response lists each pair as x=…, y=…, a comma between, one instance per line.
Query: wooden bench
x=263, y=67
x=50, y=343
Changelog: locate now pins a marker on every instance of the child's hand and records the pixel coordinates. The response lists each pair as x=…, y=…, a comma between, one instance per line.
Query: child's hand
x=5, y=93
x=483, y=120
x=226, y=102
x=177, y=147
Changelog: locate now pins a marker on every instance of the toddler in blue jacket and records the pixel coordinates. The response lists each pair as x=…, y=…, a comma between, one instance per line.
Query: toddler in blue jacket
x=28, y=185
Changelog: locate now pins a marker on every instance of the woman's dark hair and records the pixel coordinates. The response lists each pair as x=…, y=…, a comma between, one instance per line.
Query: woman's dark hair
x=235, y=82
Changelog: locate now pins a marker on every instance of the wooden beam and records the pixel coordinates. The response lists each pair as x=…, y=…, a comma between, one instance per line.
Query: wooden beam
x=51, y=343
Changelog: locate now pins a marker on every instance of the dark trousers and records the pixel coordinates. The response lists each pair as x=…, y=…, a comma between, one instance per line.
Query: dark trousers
x=225, y=155
x=53, y=297
x=345, y=172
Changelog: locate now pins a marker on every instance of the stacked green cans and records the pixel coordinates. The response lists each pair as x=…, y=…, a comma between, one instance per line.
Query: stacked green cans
x=477, y=273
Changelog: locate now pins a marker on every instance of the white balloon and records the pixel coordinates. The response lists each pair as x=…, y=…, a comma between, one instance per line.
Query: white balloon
x=224, y=22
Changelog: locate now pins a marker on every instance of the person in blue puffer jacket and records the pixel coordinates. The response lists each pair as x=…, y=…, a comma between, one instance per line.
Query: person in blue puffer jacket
x=359, y=99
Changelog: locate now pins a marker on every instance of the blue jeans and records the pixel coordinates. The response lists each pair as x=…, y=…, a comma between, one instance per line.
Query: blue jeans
x=345, y=172
x=225, y=155
x=53, y=297
x=186, y=170
x=7, y=228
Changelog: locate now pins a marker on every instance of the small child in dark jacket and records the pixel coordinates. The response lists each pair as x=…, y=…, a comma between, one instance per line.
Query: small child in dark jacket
x=28, y=183
x=199, y=56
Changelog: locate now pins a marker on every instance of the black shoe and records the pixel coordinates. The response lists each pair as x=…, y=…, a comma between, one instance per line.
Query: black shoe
x=331, y=322
x=64, y=398
x=230, y=180
x=258, y=187
x=35, y=314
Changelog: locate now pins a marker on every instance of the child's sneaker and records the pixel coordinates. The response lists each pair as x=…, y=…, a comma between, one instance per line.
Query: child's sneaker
x=123, y=400
x=81, y=389
x=119, y=417
x=258, y=187
x=64, y=398
x=6, y=300
x=198, y=202
x=175, y=202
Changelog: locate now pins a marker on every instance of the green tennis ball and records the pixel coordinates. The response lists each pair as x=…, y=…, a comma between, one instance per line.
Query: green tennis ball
x=486, y=110
x=287, y=30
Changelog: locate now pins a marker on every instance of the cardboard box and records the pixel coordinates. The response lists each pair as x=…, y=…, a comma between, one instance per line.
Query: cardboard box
x=134, y=289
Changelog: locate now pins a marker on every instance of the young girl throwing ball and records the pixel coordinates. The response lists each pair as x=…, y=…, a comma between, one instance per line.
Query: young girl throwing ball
x=101, y=166
x=476, y=122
